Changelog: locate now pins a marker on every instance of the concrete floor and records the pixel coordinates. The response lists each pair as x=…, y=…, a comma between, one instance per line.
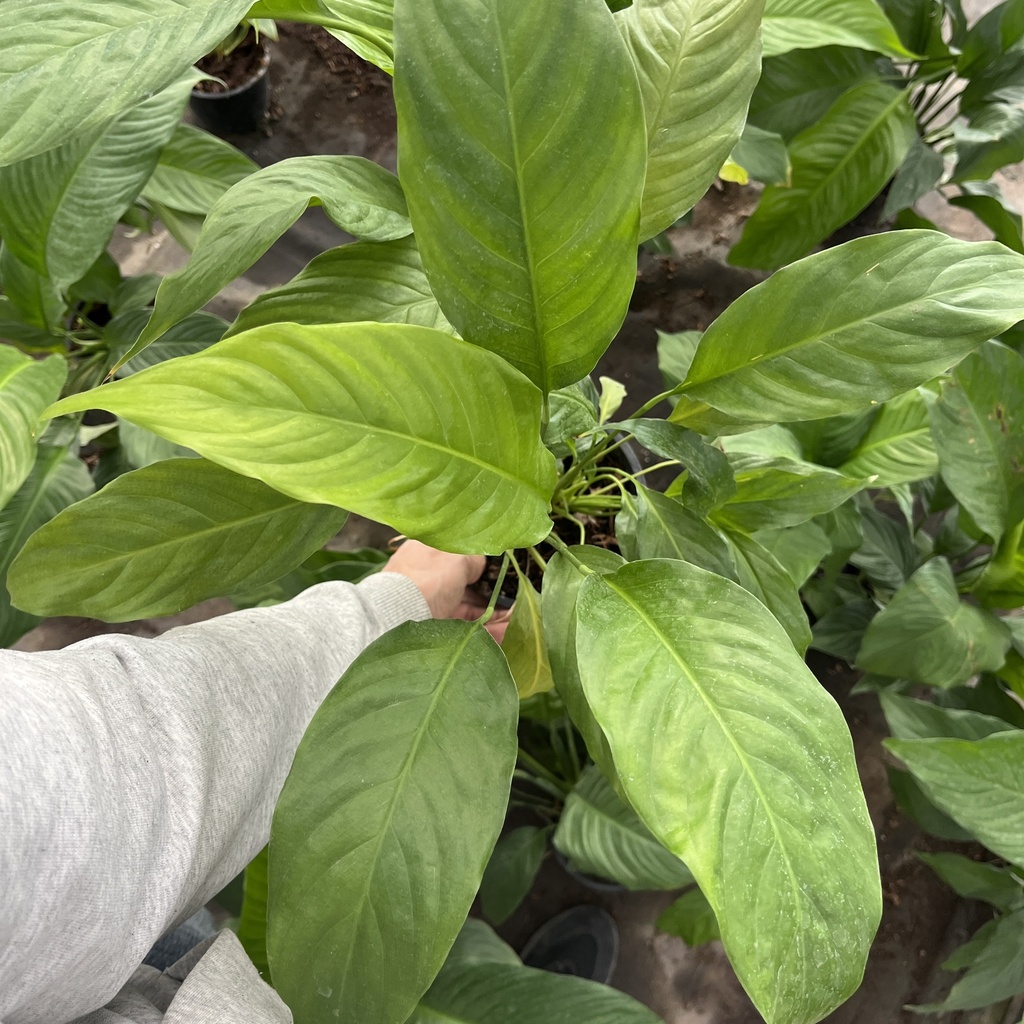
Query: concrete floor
x=320, y=110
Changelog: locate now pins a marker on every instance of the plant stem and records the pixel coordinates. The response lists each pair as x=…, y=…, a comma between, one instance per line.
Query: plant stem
x=496, y=592
x=570, y=742
x=536, y=556
x=647, y=407
x=545, y=773
x=559, y=545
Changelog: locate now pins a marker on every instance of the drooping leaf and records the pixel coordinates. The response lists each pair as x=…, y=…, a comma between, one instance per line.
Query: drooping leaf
x=839, y=165
x=524, y=645
x=324, y=414
x=976, y=782
x=387, y=820
x=603, y=837
x=698, y=62
x=735, y=775
x=928, y=297
x=898, y=447
x=805, y=24
x=976, y=880
x=528, y=230
x=510, y=872
x=70, y=67
x=780, y=492
x=163, y=538
x=692, y=918
x=760, y=573
x=56, y=480
x=381, y=281
x=927, y=634
x=27, y=387
x=357, y=195
x=194, y=170
x=978, y=424
x=59, y=209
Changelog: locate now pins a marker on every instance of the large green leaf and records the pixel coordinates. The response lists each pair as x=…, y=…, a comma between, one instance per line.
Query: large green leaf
x=994, y=138
x=195, y=333
x=978, y=783
x=382, y=281
x=357, y=195
x=57, y=479
x=59, y=209
x=528, y=229
x=698, y=62
x=806, y=24
x=978, y=424
x=386, y=822
x=375, y=418
x=500, y=993
x=739, y=762
x=927, y=634
x=908, y=305
x=69, y=67
x=898, y=447
x=976, y=880
x=27, y=387
x=796, y=89
x=163, y=538
x=602, y=836
x=194, y=170
x=511, y=871
x=839, y=165
x=773, y=493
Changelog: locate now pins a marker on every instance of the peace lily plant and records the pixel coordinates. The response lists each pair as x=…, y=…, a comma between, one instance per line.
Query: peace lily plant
x=433, y=375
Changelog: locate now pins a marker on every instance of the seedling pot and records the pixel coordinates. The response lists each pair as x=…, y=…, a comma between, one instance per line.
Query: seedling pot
x=239, y=110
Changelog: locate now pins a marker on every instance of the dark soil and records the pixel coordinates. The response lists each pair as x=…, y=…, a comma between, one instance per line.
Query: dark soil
x=361, y=77
x=235, y=69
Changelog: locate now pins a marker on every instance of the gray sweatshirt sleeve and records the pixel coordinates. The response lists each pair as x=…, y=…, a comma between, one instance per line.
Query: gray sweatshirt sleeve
x=138, y=776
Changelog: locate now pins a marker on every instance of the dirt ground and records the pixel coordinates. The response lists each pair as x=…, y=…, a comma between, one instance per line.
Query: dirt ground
x=325, y=100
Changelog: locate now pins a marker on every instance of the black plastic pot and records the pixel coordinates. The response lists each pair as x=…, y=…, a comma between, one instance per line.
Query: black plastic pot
x=238, y=110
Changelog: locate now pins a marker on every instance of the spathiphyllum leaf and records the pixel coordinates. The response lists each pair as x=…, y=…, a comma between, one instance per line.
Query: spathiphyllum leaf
x=898, y=447
x=357, y=195
x=927, y=634
x=69, y=67
x=524, y=644
x=528, y=230
x=739, y=762
x=907, y=306
x=59, y=209
x=351, y=415
x=27, y=387
x=698, y=62
x=163, y=538
x=805, y=24
x=387, y=821
x=978, y=423
x=511, y=871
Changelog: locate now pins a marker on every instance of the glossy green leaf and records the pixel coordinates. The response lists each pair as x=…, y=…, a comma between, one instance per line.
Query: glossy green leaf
x=978, y=424
x=35, y=299
x=59, y=209
x=350, y=414
x=898, y=447
x=805, y=24
x=142, y=447
x=760, y=572
x=922, y=169
x=559, y=593
x=691, y=918
x=194, y=170
x=780, y=492
x=832, y=440
x=57, y=479
x=27, y=387
x=909, y=305
x=739, y=762
x=528, y=230
x=886, y=553
x=976, y=880
x=799, y=549
x=797, y=88
x=500, y=993
x=840, y=632
x=698, y=62
x=163, y=538
x=69, y=67
x=993, y=139
x=603, y=837
x=252, y=925
x=915, y=804
x=381, y=281
x=763, y=156
x=570, y=413
x=927, y=634
x=977, y=782
x=985, y=200
x=382, y=833
x=195, y=333
x=910, y=719
x=675, y=353
x=511, y=871
x=524, y=645
x=653, y=526
x=919, y=24
x=477, y=943
x=775, y=442
x=357, y=195
x=839, y=165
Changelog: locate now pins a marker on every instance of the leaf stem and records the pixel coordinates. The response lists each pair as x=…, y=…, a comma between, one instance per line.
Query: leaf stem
x=543, y=772
x=560, y=546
